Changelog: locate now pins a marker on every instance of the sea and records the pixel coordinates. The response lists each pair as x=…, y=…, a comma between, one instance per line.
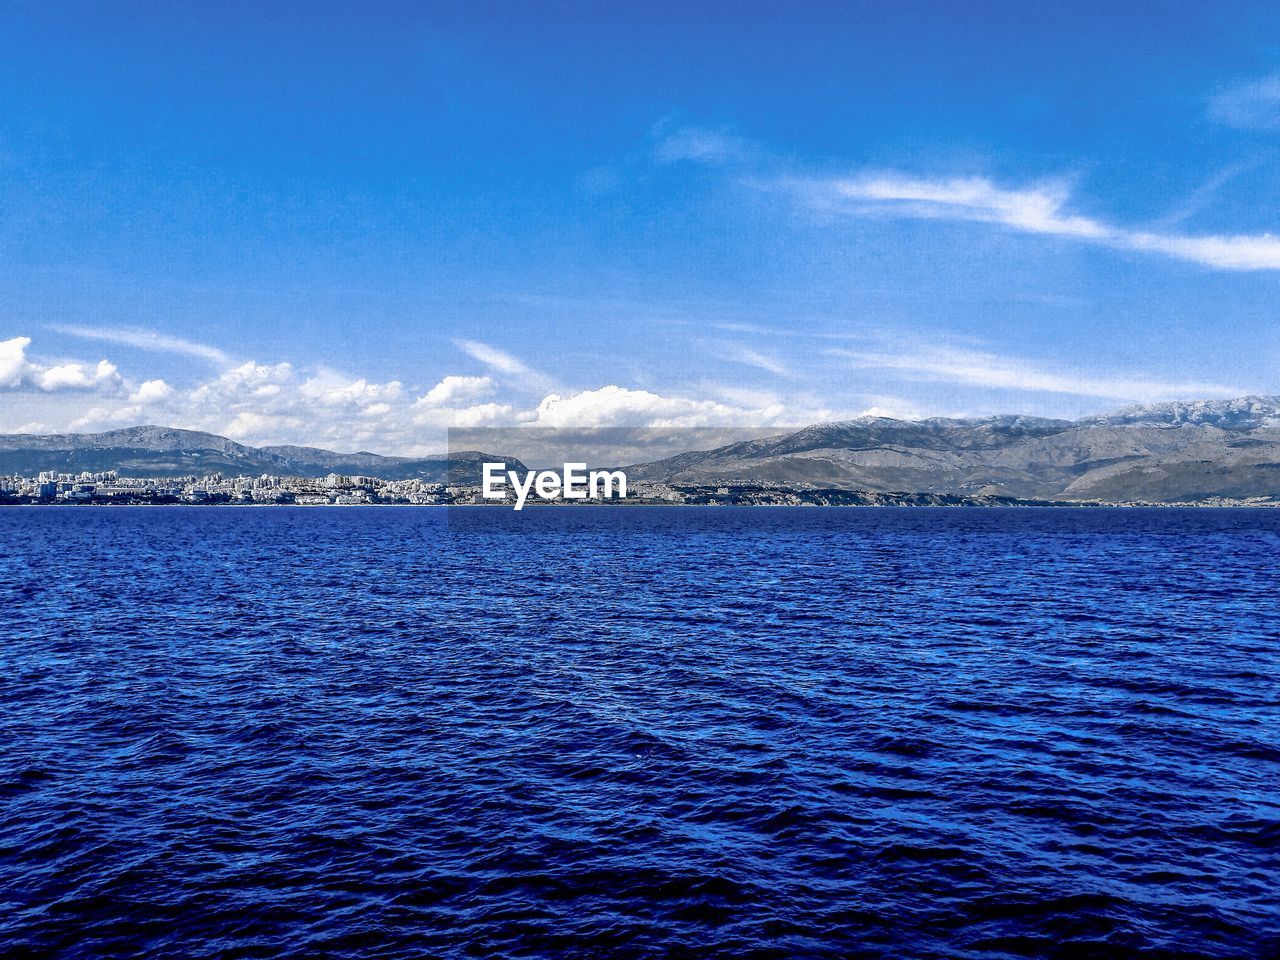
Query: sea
x=602, y=732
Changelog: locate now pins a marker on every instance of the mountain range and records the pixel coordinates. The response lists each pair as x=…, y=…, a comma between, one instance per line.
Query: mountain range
x=1168, y=452
x=152, y=451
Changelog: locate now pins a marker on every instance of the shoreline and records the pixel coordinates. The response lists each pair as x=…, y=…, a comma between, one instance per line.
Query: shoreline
x=1086, y=505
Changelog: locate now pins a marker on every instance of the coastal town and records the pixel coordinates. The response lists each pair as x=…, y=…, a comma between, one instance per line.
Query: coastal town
x=111, y=488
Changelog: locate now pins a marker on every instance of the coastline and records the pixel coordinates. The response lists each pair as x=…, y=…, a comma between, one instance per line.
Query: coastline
x=1029, y=505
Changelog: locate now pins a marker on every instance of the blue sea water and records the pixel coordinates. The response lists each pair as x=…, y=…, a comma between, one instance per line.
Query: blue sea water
x=626, y=733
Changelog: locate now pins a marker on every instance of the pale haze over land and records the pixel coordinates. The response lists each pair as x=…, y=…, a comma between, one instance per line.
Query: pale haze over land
x=357, y=227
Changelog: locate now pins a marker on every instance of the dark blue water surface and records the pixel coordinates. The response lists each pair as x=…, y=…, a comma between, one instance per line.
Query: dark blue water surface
x=375, y=732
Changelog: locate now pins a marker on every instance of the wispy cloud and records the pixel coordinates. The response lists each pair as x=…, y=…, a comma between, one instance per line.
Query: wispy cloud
x=492, y=357
x=1252, y=106
x=147, y=340
x=707, y=145
x=1040, y=209
x=503, y=362
x=1207, y=192
x=980, y=368
x=734, y=326
x=755, y=358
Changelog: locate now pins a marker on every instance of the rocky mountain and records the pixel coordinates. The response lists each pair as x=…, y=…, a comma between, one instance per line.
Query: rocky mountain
x=1163, y=453
x=152, y=451
x=1243, y=414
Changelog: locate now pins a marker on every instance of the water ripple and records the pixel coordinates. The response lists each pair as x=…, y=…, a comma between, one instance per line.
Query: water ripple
x=639, y=733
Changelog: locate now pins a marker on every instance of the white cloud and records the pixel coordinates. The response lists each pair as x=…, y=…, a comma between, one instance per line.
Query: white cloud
x=268, y=403
x=249, y=426
x=453, y=389
x=262, y=380
x=153, y=391
x=1252, y=106
x=276, y=403
x=1260, y=252
x=257, y=403
x=93, y=417
x=17, y=370
x=331, y=389
x=480, y=415
x=265, y=403
x=1039, y=209
x=612, y=405
x=76, y=376
x=147, y=340
x=983, y=369
x=13, y=361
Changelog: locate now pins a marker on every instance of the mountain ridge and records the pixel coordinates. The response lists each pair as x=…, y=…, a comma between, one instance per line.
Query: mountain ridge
x=1173, y=452
x=156, y=451
x=1179, y=451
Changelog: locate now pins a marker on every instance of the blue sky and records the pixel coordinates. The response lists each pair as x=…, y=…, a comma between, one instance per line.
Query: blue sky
x=356, y=225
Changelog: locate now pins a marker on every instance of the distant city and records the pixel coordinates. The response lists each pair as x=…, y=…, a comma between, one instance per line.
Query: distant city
x=50, y=488
x=109, y=487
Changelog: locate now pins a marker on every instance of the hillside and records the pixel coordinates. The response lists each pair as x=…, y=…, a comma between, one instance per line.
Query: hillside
x=152, y=451
x=1167, y=452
